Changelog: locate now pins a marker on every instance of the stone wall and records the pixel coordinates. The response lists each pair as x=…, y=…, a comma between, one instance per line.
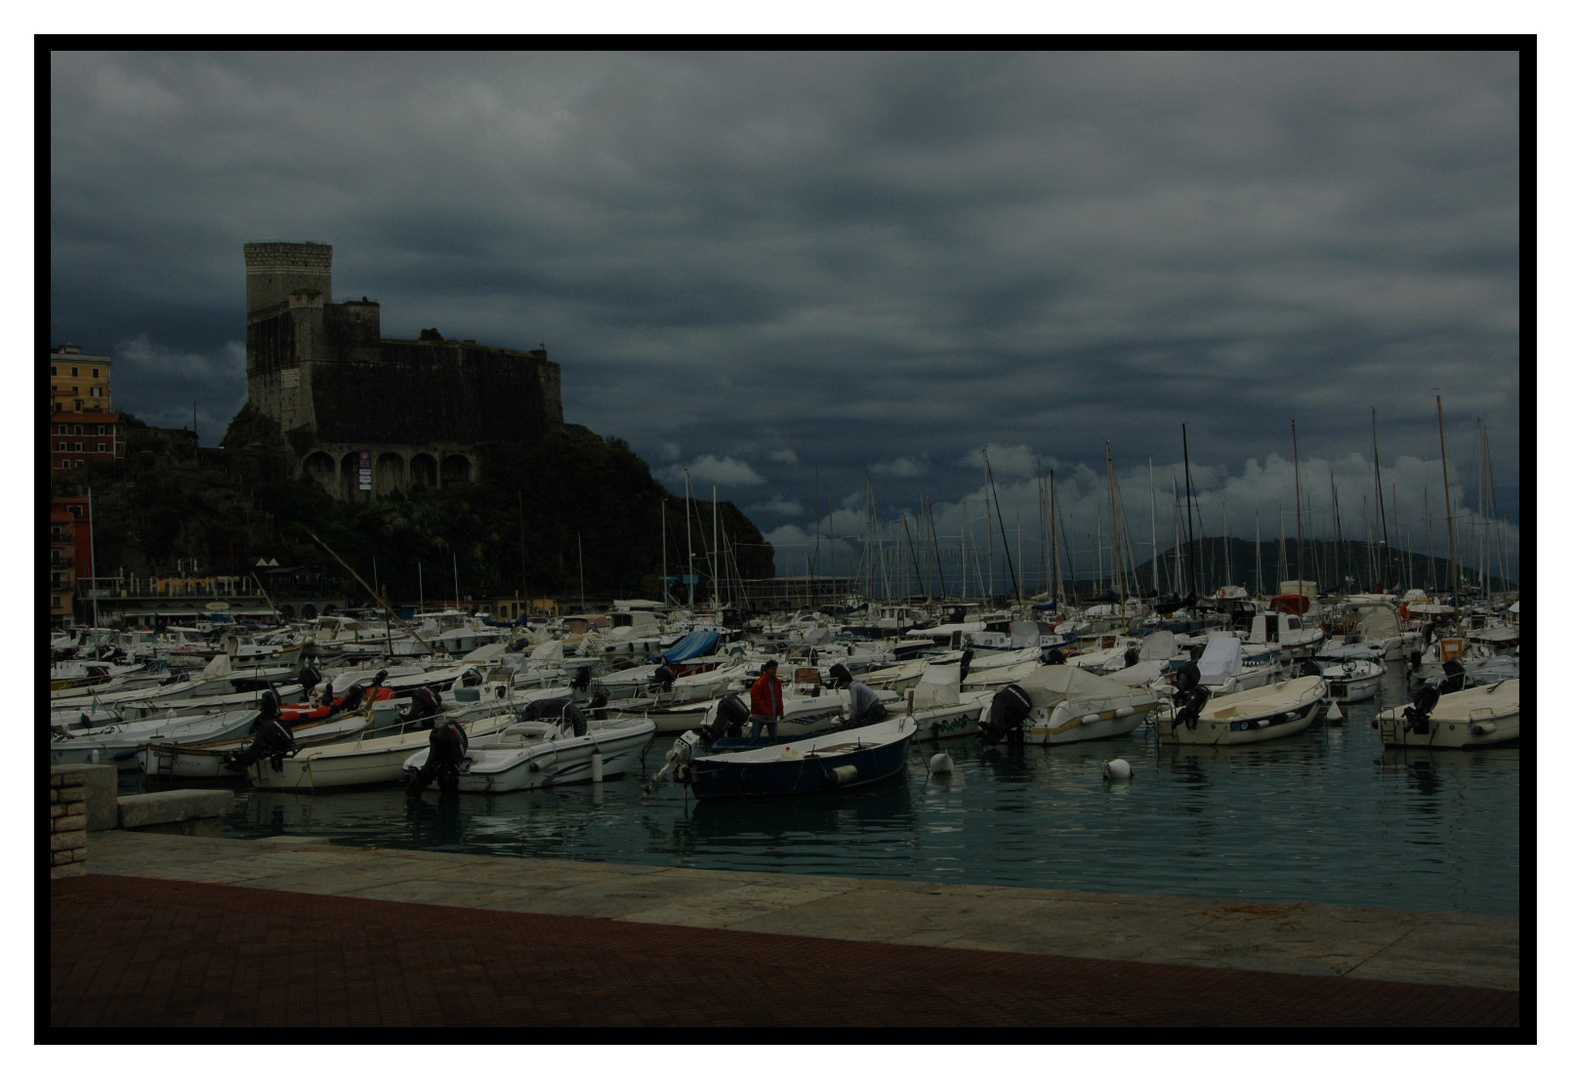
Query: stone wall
x=419, y=393
x=67, y=822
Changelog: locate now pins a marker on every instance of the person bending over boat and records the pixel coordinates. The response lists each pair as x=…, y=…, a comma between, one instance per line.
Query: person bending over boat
x=863, y=706
x=767, y=705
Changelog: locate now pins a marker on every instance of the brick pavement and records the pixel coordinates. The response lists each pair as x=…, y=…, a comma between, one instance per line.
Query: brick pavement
x=128, y=951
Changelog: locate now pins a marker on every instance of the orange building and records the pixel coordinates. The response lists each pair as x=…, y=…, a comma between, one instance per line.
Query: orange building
x=78, y=382
x=82, y=425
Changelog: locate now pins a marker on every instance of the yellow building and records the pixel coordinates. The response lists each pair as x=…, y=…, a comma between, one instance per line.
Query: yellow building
x=78, y=383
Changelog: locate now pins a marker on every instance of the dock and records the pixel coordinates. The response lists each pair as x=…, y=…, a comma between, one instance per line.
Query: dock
x=172, y=931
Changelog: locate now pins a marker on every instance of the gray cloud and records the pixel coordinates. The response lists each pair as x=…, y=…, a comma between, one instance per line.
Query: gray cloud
x=775, y=269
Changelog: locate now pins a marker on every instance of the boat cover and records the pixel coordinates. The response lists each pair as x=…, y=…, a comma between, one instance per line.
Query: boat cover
x=1222, y=660
x=1053, y=683
x=696, y=644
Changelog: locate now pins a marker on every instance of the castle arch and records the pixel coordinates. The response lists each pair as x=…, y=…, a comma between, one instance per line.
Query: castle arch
x=422, y=471
x=455, y=470
x=319, y=467
x=388, y=475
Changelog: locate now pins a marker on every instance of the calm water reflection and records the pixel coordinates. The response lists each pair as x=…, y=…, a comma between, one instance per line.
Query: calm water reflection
x=1325, y=816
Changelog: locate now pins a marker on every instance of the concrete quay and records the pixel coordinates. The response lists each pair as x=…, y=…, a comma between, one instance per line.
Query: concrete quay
x=168, y=930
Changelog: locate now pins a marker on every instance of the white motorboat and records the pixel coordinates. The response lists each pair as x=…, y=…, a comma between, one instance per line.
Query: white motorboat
x=1060, y=703
x=1247, y=716
x=120, y=744
x=1478, y=716
x=1353, y=672
x=536, y=753
x=371, y=757
x=217, y=759
x=940, y=709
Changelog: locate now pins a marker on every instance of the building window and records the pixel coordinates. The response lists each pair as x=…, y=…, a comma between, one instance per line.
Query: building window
x=78, y=430
x=78, y=446
x=73, y=373
x=102, y=448
x=79, y=461
x=101, y=429
x=95, y=373
x=61, y=446
x=53, y=370
x=56, y=600
x=62, y=430
x=75, y=510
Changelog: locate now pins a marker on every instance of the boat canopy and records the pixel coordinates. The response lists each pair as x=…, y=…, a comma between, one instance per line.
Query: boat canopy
x=1222, y=660
x=695, y=644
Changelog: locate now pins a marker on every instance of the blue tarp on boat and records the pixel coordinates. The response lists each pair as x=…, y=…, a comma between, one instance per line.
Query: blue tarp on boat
x=698, y=643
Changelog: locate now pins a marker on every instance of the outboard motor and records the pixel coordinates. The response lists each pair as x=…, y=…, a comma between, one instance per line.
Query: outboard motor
x=1187, y=676
x=424, y=703
x=547, y=709
x=663, y=679
x=1416, y=717
x=1309, y=667
x=1007, y=716
x=351, y=700
x=449, y=744
x=1132, y=657
x=310, y=679
x=1189, y=703
x=470, y=677
x=272, y=739
x=581, y=680
x=966, y=663
x=730, y=716
x=571, y=713
x=840, y=675
x=1055, y=656
x=1453, y=671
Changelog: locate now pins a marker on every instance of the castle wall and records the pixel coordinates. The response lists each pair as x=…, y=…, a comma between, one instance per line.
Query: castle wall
x=436, y=392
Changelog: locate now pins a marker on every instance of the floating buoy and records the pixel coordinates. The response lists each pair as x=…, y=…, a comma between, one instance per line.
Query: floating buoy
x=1116, y=769
x=940, y=763
x=1334, y=715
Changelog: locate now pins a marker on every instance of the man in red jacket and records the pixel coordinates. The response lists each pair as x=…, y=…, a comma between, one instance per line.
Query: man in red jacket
x=767, y=706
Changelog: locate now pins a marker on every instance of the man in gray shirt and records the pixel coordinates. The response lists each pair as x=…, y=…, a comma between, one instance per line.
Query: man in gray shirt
x=863, y=706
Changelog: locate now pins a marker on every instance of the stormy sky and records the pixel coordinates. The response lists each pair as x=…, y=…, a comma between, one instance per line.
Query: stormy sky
x=798, y=279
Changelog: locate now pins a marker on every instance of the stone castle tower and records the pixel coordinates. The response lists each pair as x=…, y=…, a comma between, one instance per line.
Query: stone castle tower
x=367, y=415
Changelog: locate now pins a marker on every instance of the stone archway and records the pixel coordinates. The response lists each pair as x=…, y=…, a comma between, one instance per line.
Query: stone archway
x=319, y=467
x=455, y=470
x=422, y=471
x=387, y=475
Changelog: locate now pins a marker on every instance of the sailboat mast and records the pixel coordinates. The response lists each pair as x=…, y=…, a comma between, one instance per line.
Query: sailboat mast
x=1446, y=488
x=1189, y=500
x=1375, y=453
x=1299, y=525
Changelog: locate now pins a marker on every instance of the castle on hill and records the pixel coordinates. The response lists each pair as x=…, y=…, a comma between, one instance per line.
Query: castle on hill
x=365, y=415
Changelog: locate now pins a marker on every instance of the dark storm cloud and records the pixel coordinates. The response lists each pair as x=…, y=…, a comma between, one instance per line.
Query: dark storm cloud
x=767, y=267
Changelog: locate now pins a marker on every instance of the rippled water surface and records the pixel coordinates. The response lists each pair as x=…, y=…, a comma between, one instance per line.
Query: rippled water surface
x=1325, y=816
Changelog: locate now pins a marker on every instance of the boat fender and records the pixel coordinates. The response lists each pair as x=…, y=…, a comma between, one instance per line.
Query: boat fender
x=597, y=768
x=840, y=775
x=1484, y=727
x=1116, y=769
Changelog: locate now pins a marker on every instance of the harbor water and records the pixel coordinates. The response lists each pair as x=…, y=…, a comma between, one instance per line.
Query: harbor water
x=1328, y=816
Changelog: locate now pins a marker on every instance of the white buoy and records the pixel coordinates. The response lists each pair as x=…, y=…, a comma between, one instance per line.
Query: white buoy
x=596, y=768
x=1116, y=769
x=940, y=763
x=1334, y=715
